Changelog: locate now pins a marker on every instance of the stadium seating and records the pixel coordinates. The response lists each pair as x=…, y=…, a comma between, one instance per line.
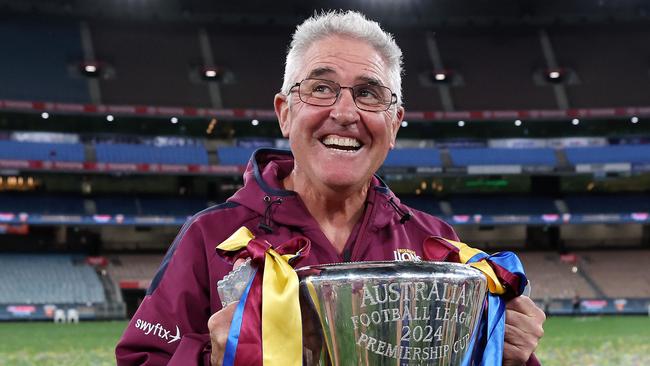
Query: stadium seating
x=41, y=73
x=502, y=205
x=619, y=273
x=152, y=64
x=41, y=204
x=610, y=62
x=413, y=157
x=170, y=206
x=553, y=279
x=48, y=279
x=15, y=150
x=138, y=268
x=599, y=204
x=497, y=67
x=425, y=204
x=502, y=156
x=132, y=153
x=609, y=154
x=112, y=205
x=229, y=155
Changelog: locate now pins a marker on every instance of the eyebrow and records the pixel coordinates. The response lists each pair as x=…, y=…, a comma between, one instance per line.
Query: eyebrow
x=321, y=71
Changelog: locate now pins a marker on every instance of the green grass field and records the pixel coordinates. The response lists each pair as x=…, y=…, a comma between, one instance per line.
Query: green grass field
x=589, y=341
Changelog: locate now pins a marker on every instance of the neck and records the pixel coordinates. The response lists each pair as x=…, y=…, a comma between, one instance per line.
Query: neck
x=336, y=209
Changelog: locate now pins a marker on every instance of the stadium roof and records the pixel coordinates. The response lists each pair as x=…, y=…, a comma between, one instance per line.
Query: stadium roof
x=394, y=13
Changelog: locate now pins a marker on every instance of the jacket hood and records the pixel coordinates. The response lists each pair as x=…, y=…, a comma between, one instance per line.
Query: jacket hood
x=264, y=194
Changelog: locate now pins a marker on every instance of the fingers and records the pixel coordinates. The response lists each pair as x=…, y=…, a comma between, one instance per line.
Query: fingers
x=524, y=322
x=522, y=313
x=219, y=326
x=524, y=305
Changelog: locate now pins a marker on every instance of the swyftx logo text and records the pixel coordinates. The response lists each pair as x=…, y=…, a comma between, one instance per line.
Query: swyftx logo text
x=157, y=330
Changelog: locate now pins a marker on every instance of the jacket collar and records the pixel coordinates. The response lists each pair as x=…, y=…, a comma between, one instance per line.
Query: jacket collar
x=263, y=188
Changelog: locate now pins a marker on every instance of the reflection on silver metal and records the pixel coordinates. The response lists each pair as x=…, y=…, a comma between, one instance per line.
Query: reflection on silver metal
x=390, y=313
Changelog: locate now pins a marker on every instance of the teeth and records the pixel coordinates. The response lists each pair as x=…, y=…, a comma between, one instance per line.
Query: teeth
x=341, y=141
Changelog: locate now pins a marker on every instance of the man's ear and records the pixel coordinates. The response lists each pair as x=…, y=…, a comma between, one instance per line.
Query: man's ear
x=395, y=125
x=281, y=105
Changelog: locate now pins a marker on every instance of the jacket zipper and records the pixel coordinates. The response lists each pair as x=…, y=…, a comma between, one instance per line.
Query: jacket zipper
x=362, y=235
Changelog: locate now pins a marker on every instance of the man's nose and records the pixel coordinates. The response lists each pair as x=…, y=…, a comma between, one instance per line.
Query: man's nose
x=345, y=110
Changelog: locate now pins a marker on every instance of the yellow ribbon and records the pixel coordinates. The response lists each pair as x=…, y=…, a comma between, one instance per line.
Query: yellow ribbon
x=466, y=253
x=281, y=320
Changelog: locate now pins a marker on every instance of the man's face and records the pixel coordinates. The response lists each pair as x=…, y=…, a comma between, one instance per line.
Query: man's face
x=339, y=146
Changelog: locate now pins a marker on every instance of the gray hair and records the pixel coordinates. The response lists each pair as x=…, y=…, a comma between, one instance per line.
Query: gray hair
x=350, y=24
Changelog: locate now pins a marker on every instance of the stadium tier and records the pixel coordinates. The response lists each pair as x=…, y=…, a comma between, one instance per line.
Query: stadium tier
x=491, y=159
x=634, y=154
x=40, y=73
x=15, y=150
x=132, y=153
x=409, y=157
x=490, y=68
x=230, y=155
x=134, y=271
x=605, y=204
x=618, y=274
x=78, y=205
x=48, y=279
x=502, y=205
x=551, y=278
x=42, y=204
x=499, y=156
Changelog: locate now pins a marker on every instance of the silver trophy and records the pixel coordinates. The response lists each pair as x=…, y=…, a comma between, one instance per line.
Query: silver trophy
x=390, y=313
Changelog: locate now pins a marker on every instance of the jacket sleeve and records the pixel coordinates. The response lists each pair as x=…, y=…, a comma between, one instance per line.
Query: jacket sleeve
x=170, y=326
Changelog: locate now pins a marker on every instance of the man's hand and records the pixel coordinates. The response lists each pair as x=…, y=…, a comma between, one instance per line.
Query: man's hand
x=523, y=330
x=219, y=325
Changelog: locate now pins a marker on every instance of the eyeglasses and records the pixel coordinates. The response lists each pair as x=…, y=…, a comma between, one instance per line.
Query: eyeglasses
x=324, y=93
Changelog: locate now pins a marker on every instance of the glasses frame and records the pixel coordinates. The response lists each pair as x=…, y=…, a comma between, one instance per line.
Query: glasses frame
x=386, y=106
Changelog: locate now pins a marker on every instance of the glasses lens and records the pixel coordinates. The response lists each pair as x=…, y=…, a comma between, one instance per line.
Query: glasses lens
x=372, y=97
x=318, y=92
x=368, y=97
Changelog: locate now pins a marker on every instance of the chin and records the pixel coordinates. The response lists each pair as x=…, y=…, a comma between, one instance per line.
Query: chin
x=346, y=180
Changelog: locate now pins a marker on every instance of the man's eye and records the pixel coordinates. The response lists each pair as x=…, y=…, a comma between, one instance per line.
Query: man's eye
x=367, y=93
x=323, y=89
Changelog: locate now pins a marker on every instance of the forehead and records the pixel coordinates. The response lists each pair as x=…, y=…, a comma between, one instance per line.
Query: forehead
x=345, y=60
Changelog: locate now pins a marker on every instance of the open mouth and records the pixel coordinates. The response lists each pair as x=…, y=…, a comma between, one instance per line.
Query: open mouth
x=341, y=143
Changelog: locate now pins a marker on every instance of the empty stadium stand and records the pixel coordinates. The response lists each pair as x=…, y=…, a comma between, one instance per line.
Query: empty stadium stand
x=502, y=205
x=139, y=153
x=601, y=203
x=551, y=278
x=609, y=154
x=502, y=156
x=619, y=274
x=229, y=155
x=42, y=203
x=409, y=157
x=152, y=64
x=68, y=204
x=134, y=270
x=48, y=279
x=15, y=150
x=46, y=72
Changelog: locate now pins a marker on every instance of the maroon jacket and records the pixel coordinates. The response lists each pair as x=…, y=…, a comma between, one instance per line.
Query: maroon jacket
x=170, y=326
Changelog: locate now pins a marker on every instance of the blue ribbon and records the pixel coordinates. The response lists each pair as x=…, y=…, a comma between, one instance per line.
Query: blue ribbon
x=492, y=329
x=235, y=327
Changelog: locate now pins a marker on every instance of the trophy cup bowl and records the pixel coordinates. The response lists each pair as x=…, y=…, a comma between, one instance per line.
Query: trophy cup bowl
x=390, y=313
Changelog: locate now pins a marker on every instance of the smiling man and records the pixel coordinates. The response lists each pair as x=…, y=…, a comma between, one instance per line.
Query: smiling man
x=340, y=108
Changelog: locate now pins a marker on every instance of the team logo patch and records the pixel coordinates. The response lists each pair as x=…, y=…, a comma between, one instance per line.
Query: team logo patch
x=401, y=255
